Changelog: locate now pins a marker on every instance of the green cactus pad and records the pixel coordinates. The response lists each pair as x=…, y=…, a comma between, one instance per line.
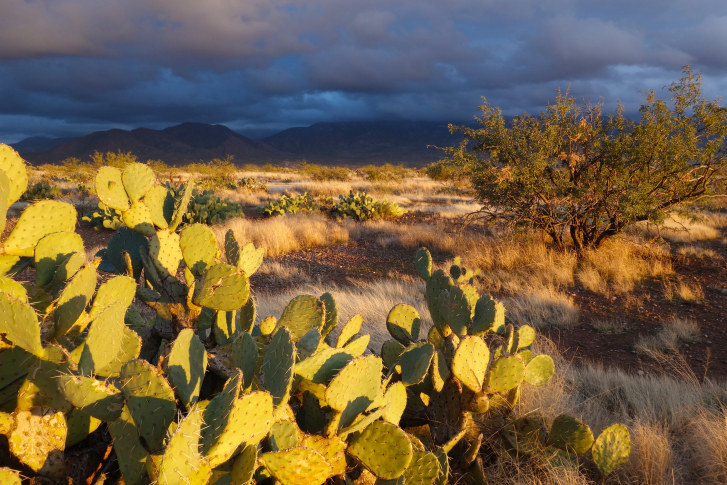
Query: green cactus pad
x=355, y=388
x=150, y=400
x=395, y=403
x=297, y=466
x=268, y=325
x=243, y=468
x=333, y=450
x=303, y=313
x=93, y=397
x=181, y=459
x=489, y=315
x=469, y=364
x=102, y=346
x=124, y=240
x=160, y=203
x=331, y=311
x=37, y=221
x=277, y=366
x=42, y=381
x=186, y=366
x=165, y=252
x=352, y=327
x=570, y=434
x=232, y=248
x=110, y=188
x=505, y=373
x=526, y=356
x=4, y=196
x=181, y=205
x=50, y=252
x=539, y=370
x=455, y=309
x=234, y=422
x=423, y=469
x=138, y=179
x=283, y=435
x=250, y=258
x=20, y=324
x=309, y=343
x=130, y=453
x=361, y=422
x=13, y=166
x=199, y=247
x=38, y=439
x=611, y=449
x=383, y=448
x=119, y=289
x=138, y=217
x=244, y=357
x=439, y=370
x=358, y=346
x=525, y=435
x=322, y=366
x=390, y=352
x=226, y=327
x=14, y=364
x=223, y=288
x=423, y=263
x=525, y=336
x=403, y=323
x=414, y=362
x=435, y=285
x=14, y=289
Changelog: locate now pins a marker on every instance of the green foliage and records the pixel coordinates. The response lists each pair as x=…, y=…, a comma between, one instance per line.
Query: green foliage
x=290, y=204
x=575, y=173
x=384, y=173
x=325, y=173
x=362, y=207
x=41, y=190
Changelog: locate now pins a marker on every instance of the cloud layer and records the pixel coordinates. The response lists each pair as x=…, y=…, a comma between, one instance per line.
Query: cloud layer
x=72, y=66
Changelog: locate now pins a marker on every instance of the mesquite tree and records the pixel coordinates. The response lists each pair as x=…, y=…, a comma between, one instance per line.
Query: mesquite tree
x=573, y=171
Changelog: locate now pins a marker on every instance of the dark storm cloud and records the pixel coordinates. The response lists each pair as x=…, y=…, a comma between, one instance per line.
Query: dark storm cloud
x=74, y=66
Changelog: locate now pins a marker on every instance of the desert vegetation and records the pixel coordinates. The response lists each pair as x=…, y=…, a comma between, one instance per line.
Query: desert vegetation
x=222, y=324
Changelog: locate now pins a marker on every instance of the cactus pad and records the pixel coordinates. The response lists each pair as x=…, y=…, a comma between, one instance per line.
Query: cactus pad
x=165, y=252
x=9, y=476
x=38, y=439
x=455, y=309
x=322, y=366
x=414, y=362
x=20, y=325
x=49, y=254
x=358, y=346
x=277, y=366
x=383, y=448
x=423, y=263
x=93, y=397
x=308, y=343
x=611, y=448
x=250, y=258
x=199, y=247
x=297, y=466
x=525, y=336
x=390, y=352
x=124, y=240
x=160, y=203
x=489, y=315
x=439, y=370
x=244, y=465
x=435, y=285
x=331, y=312
x=110, y=188
x=150, y=400
x=38, y=220
x=138, y=179
x=232, y=248
x=570, y=434
x=186, y=366
x=130, y=453
x=181, y=459
x=395, y=399
x=352, y=327
x=539, y=370
x=469, y=364
x=283, y=435
x=119, y=289
x=223, y=288
x=505, y=373
x=244, y=357
x=74, y=299
x=14, y=168
x=303, y=313
x=423, y=469
x=138, y=217
x=403, y=323
x=102, y=345
x=356, y=387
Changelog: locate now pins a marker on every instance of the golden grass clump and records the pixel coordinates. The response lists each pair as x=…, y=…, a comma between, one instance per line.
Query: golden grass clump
x=542, y=307
x=281, y=235
x=671, y=334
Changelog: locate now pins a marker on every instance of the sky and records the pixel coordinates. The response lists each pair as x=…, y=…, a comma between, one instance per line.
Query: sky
x=70, y=67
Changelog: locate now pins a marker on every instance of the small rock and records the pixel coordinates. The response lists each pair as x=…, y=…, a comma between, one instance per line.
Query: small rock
x=640, y=372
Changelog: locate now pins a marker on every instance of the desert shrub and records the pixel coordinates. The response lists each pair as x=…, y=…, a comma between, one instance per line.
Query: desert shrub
x=384, y=173
x=443, y=172
x=41, y=190
x=208, y=208
x=290, y=204
x=361, y=206
x=577, y=174
x=323, y=173
x=103, y=217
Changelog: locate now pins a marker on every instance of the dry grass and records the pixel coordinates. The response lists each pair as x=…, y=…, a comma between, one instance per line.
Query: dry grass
x=652, y=460
x=678, y=228
x=544, y=307
x=672, y=333
x=612, y=325
x=706, y=436
x=281, y=235
x=698, y=252
x=686, y=291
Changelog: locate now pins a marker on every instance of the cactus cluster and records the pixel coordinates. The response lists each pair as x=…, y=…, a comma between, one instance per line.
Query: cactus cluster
x=208, y=392
x=361, y=206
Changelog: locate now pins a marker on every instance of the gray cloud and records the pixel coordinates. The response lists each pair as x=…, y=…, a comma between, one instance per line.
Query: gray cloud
x=79, y=65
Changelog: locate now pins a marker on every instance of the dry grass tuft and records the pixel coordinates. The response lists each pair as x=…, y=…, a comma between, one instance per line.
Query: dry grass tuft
x=281, y=235
x=545, y=307
x=672, y=333
x=698, y=252
x=612, y=325
x=683, y=290
x=652, y=460
x=706, y=438
x=677, y=228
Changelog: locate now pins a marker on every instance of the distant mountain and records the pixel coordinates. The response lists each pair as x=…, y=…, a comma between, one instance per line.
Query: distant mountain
x=409, y=142
x=345, y=143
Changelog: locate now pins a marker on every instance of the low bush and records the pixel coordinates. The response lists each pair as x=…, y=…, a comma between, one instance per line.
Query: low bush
x=41, y=190
x=362, y=207
x=290, y=204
